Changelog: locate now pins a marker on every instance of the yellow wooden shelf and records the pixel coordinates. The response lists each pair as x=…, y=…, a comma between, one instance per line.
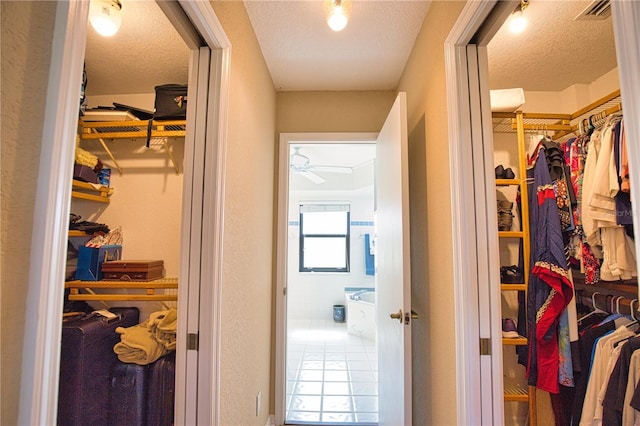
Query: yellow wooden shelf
x=510, y=234
x=516, y=393
x=76, y=233
x=86, y=191
x=131, y=129
x=516, y=341
x=513, y=287
x=149, y=288
x=136, y=129
x=508, y=182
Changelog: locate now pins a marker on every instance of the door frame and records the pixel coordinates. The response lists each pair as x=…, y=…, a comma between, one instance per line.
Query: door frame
x=470, y=135
x=282, y=226
x=626, y=27
x=41, y=346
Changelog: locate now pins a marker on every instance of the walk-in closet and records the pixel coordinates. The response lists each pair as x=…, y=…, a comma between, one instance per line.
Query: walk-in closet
x=564, y=218
x=119, y=326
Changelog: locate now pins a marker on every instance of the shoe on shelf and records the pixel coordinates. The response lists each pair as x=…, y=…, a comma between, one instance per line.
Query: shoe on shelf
x=505, y=217
x=508, y=174
x=511, y=275
x=502, y=173
x=509, y=330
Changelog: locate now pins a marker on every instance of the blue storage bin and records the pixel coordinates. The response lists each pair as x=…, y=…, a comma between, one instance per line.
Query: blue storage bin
x=90, y=260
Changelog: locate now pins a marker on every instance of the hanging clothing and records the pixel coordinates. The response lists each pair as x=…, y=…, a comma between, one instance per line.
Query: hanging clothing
x=577, y=248
x=600, y=216
x=598, y=371
x=587, y=342
x=550, y=289
x=616, y=391
x=588, y=179
x=631, y=409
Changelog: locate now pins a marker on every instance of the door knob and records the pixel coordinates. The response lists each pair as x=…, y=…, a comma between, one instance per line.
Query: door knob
x=397, y=315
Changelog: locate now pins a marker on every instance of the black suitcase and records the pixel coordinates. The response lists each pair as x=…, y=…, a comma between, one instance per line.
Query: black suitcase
x=162, y=379
x=128, y=395
x=86, y=363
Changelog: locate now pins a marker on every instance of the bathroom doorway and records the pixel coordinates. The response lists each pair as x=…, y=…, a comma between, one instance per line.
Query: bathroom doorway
x=330, y=351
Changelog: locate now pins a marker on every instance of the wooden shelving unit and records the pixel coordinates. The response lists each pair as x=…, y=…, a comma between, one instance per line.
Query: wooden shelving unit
x=131, y=129
x=518, y=393
x=86, y=191
x=136, y=129
x=149, y=288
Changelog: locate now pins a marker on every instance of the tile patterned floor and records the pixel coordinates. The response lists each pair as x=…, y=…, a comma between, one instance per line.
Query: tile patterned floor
x=332, y=376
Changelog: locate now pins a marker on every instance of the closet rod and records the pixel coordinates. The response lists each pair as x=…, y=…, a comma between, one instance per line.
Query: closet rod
x=611, y=96
x=607, y=301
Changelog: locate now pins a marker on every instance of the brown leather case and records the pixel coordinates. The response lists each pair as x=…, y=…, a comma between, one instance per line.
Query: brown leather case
x=133, y=270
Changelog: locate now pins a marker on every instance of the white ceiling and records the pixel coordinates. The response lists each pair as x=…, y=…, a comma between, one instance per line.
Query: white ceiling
x=144, y=53
x=358, y=157
x=302, y=53
x=554, y=52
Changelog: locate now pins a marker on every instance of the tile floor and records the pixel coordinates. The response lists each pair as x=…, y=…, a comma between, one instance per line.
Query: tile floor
x=332, y=376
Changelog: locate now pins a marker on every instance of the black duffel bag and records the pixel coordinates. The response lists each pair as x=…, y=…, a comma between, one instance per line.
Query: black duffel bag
x=170, y=104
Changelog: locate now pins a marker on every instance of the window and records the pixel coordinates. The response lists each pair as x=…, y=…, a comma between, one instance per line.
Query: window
x=324, y=238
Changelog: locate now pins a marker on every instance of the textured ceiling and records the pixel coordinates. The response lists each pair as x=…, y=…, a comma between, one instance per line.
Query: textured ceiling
x=144, y=53
x=554, y=52
x=302, y=53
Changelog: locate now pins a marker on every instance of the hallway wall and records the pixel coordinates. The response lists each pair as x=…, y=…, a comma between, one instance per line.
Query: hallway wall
x=27, y=29
x=434, y=350
x=248, y=241
x=340, y=111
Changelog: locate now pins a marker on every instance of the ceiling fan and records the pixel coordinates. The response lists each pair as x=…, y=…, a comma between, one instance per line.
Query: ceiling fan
x=301, y=164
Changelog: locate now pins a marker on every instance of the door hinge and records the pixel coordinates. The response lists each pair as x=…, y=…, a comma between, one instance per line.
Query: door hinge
x=485, y=346
x=192, y=341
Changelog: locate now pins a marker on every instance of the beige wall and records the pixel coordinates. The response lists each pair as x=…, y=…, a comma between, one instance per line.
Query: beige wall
x=344, y=111
x=248, y=240
x=27, y=28
x=434, y=350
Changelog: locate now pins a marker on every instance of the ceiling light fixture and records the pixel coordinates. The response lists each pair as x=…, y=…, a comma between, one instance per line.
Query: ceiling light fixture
x=337, y=12
x=518, y=21
x=105, y=16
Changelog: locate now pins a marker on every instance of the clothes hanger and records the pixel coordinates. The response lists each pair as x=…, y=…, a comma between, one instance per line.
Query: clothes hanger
x=634, y=320
x=596, y=310
x=616, y=302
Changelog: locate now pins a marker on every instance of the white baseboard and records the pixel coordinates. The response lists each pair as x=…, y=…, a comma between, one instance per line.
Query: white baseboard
x=271, y=421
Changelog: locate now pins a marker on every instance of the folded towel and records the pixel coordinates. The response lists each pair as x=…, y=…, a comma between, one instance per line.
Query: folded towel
x=137, y=345
x=163, y=327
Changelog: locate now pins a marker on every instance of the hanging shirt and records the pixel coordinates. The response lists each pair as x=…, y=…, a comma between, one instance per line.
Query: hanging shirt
x=591, y=234
x=630, y=415
x=616, y=392
x=598, y=371
x=605, y=184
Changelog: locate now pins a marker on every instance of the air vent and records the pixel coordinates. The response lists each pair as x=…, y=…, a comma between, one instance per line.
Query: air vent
x=599, y=10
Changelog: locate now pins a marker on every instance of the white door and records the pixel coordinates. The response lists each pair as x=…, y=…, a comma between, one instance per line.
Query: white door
x=393, y=275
